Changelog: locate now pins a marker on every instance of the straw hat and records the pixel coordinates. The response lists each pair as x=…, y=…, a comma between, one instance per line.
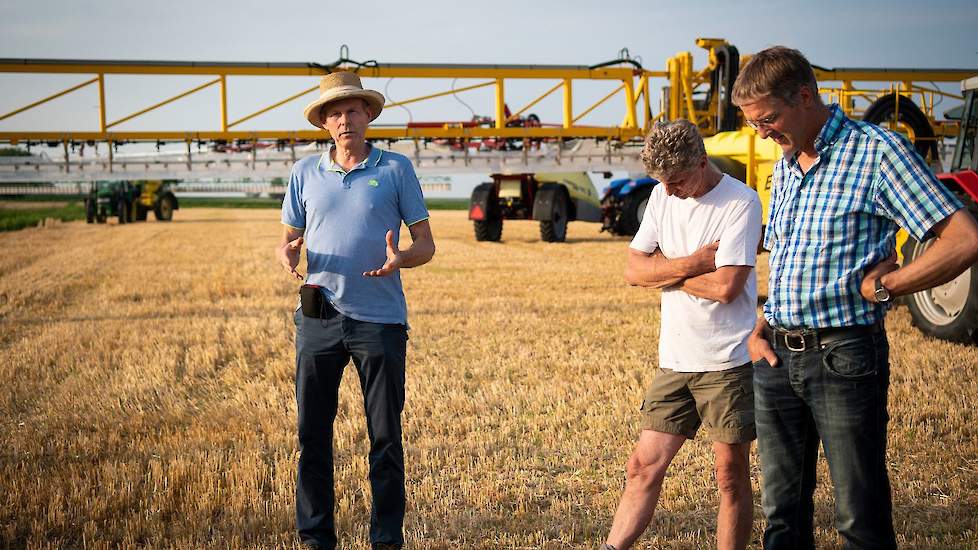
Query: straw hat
x=342, y=85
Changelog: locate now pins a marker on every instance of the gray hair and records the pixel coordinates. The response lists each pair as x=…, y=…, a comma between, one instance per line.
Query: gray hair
x=672, y=148
x=778, y=72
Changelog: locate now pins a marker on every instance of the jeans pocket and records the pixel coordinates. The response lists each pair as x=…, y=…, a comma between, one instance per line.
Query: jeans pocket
x=853, y=359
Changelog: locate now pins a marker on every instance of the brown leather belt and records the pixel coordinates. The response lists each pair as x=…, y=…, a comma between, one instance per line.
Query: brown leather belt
x=814, y=338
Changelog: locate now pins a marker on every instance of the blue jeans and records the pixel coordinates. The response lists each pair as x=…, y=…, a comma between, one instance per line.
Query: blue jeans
x=835, y=393
x=323, y=349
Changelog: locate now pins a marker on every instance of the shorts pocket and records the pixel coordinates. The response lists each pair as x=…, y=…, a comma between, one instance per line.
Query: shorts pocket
x=853, y=359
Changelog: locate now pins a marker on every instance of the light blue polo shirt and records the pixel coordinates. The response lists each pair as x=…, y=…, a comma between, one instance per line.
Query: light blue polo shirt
x=346, y=216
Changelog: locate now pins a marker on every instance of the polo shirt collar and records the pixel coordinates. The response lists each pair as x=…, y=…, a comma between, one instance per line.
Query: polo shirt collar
x=326, y=160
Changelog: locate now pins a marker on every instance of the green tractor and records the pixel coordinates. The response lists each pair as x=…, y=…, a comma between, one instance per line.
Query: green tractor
x=130, y=201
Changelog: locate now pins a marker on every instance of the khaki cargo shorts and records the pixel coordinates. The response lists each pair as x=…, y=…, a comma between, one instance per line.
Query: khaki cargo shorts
x=723, y=401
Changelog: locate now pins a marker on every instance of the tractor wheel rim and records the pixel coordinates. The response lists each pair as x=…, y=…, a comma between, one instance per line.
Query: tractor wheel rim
x=943, y=304
x=640, y=211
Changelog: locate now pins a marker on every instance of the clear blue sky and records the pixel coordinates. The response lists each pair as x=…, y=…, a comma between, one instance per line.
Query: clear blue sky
x=830, y=32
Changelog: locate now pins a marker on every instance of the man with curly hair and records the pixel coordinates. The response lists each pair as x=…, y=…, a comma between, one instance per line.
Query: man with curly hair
x=698, y=243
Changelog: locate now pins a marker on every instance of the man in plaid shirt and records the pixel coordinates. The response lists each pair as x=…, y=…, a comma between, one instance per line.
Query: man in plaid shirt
x=821, y=358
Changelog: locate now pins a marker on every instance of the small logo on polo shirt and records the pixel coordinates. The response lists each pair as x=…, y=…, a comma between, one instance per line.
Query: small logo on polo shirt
x=373, y=183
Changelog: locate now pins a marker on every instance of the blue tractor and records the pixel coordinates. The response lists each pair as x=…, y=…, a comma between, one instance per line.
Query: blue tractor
x=623, y=204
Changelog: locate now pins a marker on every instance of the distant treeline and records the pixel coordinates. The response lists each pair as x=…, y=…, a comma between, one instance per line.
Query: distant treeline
x=223, y=202
x=18, y=218
x=12, y=219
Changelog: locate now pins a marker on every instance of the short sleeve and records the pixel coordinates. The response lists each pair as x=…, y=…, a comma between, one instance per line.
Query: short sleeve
x=908, y=192
x=410, y=199
x=738, y=240
x=293, y=210
x=647, y=237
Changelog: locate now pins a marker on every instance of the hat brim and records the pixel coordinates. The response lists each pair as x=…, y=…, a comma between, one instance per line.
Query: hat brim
x=374, y=99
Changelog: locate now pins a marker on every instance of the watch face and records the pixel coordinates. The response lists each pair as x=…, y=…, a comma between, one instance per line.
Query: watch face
x=882, y=295
x=880, y=291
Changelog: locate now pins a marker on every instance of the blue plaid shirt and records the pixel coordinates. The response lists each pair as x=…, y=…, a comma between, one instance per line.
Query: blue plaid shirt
x=829, y=225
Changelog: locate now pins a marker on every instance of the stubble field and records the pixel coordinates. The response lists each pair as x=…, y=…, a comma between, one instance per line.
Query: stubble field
x=147, y=398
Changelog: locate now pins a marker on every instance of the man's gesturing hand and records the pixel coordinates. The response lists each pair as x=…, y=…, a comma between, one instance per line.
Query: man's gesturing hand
x=288, y=254
x=394, y=259
x=868, y=286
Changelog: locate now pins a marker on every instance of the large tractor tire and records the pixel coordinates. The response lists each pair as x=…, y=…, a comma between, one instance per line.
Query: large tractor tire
x=485, y=214
x=164, y=209
x=122, y=211
x=555, y=230
x=89, y=211
x=890, y=109
x=948, y=311
x=489, y=230
x=633, y=210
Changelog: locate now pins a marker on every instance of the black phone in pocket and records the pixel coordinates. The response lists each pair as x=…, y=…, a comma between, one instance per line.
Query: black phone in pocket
x=311, y=299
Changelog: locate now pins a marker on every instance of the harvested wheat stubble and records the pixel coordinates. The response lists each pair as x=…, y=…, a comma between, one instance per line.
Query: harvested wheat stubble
x=148, y=400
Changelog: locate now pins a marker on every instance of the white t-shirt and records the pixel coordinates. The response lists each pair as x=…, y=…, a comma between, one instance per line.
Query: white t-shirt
x=696, y=334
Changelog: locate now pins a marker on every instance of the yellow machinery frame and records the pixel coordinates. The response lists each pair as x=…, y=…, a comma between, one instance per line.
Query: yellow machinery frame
x=683, y=82
x=496, y=76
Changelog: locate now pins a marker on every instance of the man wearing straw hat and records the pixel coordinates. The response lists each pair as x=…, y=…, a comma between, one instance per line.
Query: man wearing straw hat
x=347, y=206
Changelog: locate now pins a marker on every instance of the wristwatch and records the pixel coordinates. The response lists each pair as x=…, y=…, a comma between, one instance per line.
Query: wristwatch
x=881, y=293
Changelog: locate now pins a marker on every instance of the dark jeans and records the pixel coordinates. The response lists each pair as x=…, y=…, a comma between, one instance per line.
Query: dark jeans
x=323, y=349
x=835, y=393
